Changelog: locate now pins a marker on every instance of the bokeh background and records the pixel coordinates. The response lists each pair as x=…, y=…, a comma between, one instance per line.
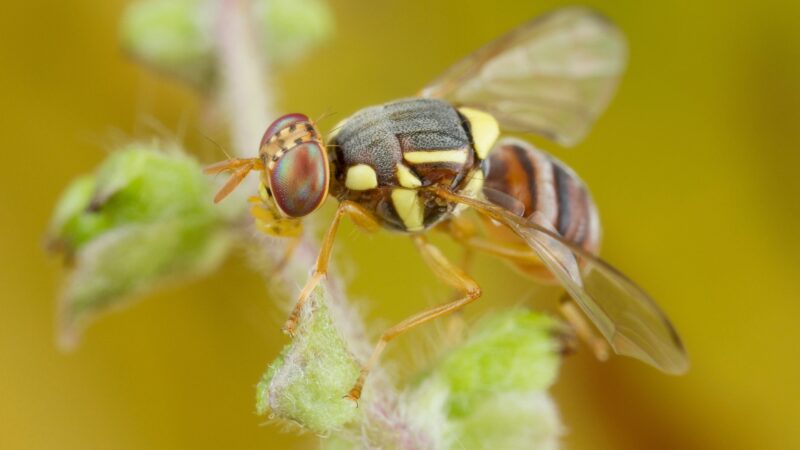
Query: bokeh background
x=694, y=167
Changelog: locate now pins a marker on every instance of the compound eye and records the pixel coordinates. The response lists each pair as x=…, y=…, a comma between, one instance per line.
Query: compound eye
x=281, y=123
x=299, y=179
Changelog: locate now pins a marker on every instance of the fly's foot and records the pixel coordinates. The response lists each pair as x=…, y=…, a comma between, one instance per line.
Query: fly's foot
x=354, y=395
x=289, y=327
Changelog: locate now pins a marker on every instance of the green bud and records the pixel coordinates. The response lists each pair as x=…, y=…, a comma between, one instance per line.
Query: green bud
x=510, y=420
x=292, y=27
x=172, y=36
x=490, y=391
x=69, y=228
x=337, y=442
x=177, y=36
x=308, y=381
x=142, y=219
x=508, y=351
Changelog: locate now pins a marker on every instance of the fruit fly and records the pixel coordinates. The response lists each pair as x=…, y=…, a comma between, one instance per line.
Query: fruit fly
x=416, y=164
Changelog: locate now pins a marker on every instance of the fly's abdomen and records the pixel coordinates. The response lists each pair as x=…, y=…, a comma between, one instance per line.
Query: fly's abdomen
x=546, y=187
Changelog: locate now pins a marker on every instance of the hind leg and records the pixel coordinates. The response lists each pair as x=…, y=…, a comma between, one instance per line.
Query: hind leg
x=568, y=308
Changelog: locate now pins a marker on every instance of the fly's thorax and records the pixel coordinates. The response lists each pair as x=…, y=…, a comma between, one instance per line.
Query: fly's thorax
x=385, y=157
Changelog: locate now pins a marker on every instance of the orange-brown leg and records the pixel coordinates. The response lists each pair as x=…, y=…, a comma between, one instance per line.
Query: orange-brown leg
x=450, y=274
x=240, y=168
x=567, y=306
x=456, y=326
x=231, y=165
x=461, y=228
x=500, y=250
x=582, y=328
x=362, y=218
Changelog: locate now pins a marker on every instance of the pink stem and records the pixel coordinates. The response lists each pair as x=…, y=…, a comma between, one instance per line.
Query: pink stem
x=248, y=101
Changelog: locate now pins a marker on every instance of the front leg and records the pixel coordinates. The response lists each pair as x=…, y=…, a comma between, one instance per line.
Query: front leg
x=269, y=221
x=363, y=219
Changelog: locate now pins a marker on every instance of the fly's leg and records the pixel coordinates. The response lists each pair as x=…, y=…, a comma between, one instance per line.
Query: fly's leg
x=240, y=168
x=578, y=322
x=363, y=219
x=461, y=229
x=269, y=221
x=568, y=308
x=458, y=227
x=450, y=274
x=500, y=250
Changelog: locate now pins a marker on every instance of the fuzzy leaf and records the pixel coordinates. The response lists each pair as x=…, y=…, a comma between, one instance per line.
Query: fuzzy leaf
x=143, y=219
x=176, y=37
x=172, y=36
x=490, y=392
x=509, y=351
x=308, y=381
x=286, y=39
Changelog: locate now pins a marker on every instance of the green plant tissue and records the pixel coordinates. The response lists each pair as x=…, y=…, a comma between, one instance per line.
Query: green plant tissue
x=143, y=218
x=490, y=392
x=508, y=351
x=177, y=37
x=308, y=382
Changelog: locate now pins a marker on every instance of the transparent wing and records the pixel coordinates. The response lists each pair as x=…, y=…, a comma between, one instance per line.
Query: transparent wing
x=623, y=312
x=552, y=76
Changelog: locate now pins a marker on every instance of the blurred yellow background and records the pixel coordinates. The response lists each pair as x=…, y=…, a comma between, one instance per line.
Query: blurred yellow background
x=693, y=167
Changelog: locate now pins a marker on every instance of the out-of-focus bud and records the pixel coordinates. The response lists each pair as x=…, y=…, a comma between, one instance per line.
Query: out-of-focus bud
x=142, y=219
x=491, y=391
x=172, y=36
x=177, y=37
x=308, y=381
x=291, y=28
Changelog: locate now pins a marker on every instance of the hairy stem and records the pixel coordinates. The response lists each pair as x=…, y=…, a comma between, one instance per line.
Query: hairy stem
x=245, y=84
x=249, y=102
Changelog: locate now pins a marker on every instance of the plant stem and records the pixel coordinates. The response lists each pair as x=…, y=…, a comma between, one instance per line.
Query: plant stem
x=248, y=100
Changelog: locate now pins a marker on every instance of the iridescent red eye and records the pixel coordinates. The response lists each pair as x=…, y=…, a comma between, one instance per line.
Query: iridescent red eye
x=297, y=165
x=283, y=123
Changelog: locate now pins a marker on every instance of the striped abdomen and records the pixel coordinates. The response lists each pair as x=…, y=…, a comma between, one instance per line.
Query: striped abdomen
x=547, y=189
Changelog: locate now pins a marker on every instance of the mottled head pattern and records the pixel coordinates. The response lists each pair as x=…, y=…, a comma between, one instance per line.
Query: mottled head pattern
x=296, y=165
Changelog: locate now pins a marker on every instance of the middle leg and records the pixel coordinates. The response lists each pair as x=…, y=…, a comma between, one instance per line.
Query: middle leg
x=450, y=274
x=361, y=217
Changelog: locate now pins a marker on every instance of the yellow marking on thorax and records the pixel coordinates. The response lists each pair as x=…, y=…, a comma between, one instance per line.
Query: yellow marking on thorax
x=473, y=189
x=409, y=207
x=475, y=184
x=458, y=155
x=485, y=130
x=361, y=177
x=407, y=178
